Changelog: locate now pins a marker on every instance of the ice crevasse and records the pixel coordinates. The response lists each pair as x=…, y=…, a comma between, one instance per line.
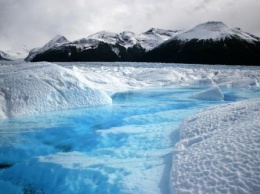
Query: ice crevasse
x=43, y=87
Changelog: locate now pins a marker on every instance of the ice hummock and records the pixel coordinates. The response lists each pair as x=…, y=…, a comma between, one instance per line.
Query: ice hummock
x=214, y=93
x=42, y=87
x=218, y=151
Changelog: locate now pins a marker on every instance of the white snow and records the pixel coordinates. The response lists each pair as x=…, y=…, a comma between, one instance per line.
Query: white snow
x=107, y=37
x=147, y=40
x=154, y=37
x=218, y=151
x=20, y=52
x=85, y=43
x=214, y=31
x=128, y=76
x=42, y=87
x=5, y=56
x=55, y=42
x=116, y=50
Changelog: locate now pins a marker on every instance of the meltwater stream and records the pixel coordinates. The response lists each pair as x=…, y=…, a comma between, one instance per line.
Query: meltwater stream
x=125, y=147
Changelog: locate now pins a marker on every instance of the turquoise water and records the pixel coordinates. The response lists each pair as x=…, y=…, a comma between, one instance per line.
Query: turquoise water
x=125, y=147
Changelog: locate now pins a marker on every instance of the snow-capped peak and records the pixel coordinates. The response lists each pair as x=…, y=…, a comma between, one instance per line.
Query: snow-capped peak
x=56, y=41
x=213, y=30
x=161, y=32
x=4, y=56
x=105, y=36
x=154, y=37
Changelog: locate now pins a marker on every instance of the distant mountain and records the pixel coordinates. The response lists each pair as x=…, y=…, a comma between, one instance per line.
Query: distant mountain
x=102, y=46
x=5, y=57
x=18, y=52
x=55, y=42
x=208, y=43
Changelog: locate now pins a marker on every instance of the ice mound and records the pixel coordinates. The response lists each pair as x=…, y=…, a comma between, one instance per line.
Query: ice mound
x=218, y=151
x=203, y=82
x=42, y=87
x=214, y=93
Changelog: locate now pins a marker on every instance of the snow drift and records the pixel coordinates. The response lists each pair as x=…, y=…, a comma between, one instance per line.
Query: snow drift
x=218, y=151
x=42, y=87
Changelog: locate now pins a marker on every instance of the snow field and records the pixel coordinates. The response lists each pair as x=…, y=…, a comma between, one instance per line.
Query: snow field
x=218, y=151
x=214, y=31
x=128, y=76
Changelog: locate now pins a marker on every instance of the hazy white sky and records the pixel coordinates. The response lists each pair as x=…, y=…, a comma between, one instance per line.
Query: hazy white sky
x=34, y=22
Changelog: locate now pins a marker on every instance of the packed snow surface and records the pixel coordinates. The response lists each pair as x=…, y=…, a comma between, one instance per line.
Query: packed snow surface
x=218, y=151
x=43, y=87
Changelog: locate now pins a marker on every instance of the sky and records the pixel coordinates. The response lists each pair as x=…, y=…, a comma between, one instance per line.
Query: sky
x=32, y=23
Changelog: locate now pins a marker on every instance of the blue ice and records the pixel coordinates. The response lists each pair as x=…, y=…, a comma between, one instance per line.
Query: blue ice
x=125, y=147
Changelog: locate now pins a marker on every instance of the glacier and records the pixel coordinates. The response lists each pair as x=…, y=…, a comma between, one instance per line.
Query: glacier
x=42, y=87
x=215, y=149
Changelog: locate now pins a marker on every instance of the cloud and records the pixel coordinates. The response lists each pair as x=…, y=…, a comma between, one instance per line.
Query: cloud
x=33, y=23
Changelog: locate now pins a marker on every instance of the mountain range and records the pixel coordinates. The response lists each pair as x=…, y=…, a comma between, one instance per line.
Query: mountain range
x=5, y=57
x=102, y=46
x=207, y=43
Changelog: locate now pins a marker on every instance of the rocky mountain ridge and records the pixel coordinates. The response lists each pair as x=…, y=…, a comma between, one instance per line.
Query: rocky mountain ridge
x=207, y=43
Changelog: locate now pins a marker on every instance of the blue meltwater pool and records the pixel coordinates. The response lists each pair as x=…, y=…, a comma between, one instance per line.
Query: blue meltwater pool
x=125, y=147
